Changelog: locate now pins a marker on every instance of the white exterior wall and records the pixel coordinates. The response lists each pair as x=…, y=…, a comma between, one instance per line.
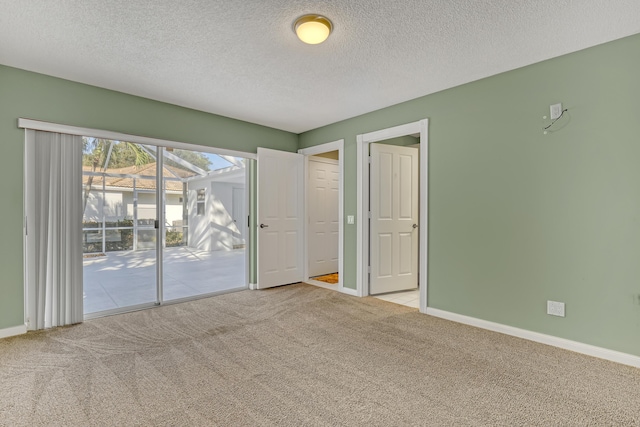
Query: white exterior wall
x=173, y=209
x=93, y=208
x=118, y=205
x=146, y=206
x=215, y=229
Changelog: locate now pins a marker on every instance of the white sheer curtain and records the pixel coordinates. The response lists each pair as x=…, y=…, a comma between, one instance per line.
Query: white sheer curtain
x=54, y=229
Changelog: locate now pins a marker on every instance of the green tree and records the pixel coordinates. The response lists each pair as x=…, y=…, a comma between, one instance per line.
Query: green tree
x=101, y=154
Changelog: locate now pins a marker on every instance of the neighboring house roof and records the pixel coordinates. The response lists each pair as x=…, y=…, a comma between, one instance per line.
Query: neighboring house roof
x=148, y=171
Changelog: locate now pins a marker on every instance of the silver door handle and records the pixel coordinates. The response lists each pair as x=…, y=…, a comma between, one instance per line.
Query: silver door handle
x=415, y=225
x=264, y=226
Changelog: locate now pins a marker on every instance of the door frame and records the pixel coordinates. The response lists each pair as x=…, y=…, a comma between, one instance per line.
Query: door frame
x=312, y=151
x=362, y=199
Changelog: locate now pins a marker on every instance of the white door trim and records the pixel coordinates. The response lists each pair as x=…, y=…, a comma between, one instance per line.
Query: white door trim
x=311, y=151
x=362, y=197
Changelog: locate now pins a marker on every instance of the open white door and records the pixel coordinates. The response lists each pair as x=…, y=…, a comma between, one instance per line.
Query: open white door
x=394, y=218
x=280, y=218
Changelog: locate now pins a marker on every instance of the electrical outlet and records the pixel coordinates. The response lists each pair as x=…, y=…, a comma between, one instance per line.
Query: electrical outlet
x=555, y=111
x=350, y=219
x=555, y=308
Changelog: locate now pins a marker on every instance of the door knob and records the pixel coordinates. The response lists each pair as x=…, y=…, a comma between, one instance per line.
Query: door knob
x=415, y=225
x=263, y=226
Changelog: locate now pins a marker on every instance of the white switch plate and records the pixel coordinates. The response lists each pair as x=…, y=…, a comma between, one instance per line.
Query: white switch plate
x=555, y=308
x=350, y=219
x=555, y=111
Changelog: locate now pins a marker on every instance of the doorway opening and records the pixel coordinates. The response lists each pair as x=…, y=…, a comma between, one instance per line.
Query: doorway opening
x=385, y=249
x=323, y=246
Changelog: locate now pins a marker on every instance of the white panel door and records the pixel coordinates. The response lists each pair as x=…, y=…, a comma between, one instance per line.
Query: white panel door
x=322, y=194
x=394, y=218
x=280, y=217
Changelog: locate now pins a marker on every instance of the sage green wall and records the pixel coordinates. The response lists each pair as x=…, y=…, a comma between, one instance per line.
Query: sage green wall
x=36, y=96
x=516, y=217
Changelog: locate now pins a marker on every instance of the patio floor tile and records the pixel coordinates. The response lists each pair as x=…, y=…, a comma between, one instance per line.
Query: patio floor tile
x=126, y=278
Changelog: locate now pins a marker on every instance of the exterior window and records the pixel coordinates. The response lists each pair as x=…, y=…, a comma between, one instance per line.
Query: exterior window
x=200, y=202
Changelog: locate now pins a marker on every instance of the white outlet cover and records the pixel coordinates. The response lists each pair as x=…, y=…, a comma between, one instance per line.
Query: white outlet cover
x=350, y=219
x=555, y=308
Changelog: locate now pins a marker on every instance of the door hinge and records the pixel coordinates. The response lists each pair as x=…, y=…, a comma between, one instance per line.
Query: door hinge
x=369, y=269
x=369, y=214
x=156, y=224
x=369, y=159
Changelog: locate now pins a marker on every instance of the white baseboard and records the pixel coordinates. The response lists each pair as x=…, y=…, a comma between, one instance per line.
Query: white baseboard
x=321, y=284
x=348, y=291
x=10, y=332
x=589, y=350
x=333, y=287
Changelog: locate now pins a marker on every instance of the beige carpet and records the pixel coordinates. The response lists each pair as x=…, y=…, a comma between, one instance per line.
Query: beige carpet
x=302, y=355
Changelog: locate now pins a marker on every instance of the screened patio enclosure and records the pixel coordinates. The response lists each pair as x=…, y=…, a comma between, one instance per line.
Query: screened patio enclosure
x=145, y=206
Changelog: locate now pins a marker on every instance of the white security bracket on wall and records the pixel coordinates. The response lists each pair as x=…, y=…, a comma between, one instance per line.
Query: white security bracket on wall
x=555, y=111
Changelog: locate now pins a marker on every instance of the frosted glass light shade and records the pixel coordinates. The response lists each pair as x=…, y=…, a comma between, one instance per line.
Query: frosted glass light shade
x=312, y=29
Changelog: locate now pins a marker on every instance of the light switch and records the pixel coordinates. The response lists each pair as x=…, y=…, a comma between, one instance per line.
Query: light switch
x=350, y=219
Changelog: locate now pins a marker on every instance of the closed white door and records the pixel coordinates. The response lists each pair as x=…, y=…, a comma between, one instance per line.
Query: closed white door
x=280, y=218
x=322, y=194
x=394, y=218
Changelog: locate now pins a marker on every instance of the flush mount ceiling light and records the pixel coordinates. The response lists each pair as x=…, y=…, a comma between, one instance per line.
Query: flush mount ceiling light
x=312, y=29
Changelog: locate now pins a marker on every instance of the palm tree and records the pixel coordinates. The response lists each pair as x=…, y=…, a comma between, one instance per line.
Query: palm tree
x=102, y=153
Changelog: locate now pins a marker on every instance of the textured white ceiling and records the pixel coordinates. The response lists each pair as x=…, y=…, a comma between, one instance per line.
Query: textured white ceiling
x=241, y=59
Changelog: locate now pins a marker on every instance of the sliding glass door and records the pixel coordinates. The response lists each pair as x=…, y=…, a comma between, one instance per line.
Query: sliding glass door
x=204, y=250
x=160, y=225
x=119, y=225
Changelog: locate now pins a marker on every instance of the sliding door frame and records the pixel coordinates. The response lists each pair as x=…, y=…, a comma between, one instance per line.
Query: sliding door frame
x=161, y=144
